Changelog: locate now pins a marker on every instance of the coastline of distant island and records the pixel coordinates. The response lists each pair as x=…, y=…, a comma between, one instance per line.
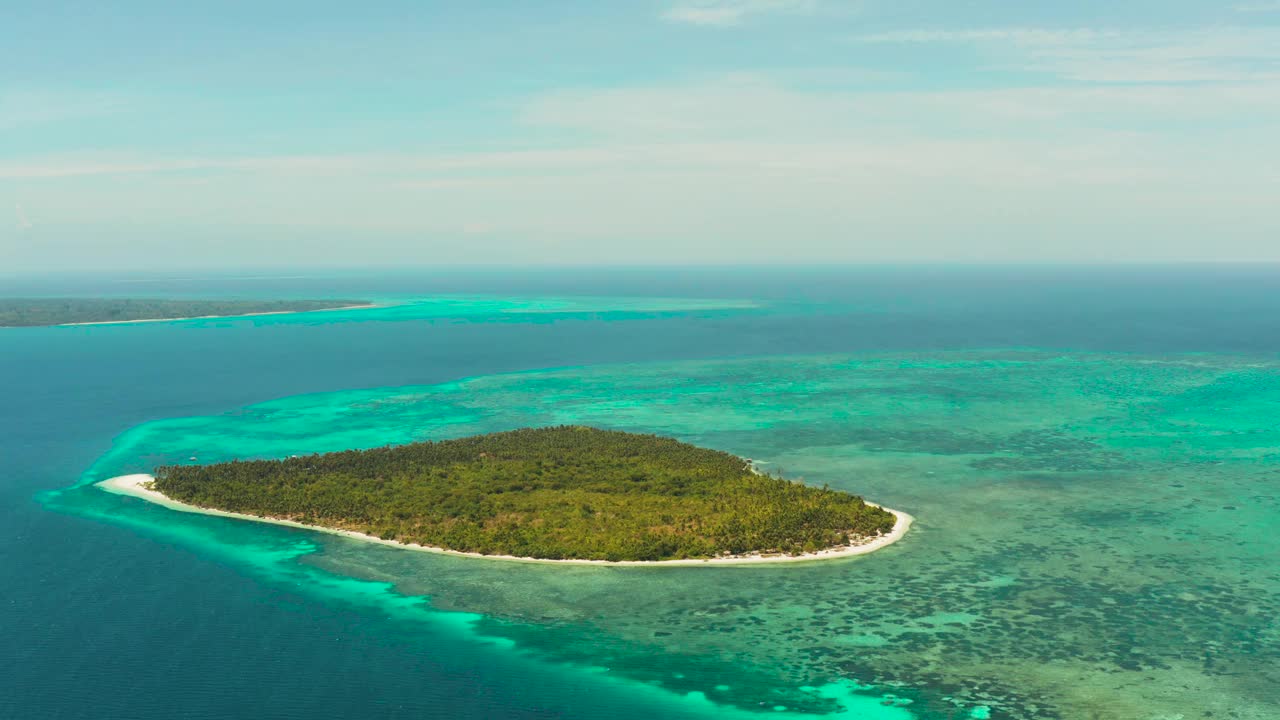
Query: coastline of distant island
x=71, y=312
x=566, y=494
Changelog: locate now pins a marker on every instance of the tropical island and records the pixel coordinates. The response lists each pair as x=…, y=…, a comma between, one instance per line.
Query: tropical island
x=565, y=493
x=40, y=312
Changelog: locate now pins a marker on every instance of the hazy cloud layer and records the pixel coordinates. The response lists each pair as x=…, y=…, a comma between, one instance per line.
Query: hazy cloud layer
x=838, y=141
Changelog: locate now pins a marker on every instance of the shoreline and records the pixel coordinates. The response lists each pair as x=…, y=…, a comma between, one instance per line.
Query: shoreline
x=369, y=306
x=132, y=485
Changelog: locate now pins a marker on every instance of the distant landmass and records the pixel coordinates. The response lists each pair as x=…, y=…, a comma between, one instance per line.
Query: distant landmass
x=557, y=493
x=37, y=312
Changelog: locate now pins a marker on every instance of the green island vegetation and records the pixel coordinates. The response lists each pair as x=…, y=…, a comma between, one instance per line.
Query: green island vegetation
x=35, y=312
x=566, y=492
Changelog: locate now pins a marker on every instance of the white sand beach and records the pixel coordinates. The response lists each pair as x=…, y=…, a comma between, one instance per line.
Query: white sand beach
x=136, y=486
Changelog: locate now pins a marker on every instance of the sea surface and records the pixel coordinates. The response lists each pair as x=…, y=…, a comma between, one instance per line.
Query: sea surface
x=1092, y=456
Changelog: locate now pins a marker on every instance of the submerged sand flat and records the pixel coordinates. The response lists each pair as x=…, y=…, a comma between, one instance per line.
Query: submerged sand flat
x=136, y=486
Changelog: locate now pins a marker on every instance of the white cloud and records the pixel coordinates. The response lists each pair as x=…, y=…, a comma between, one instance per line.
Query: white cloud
x=742, y=108
x=1258, y=7
x=80, y=165
x=720, y=17
x=1115, y=56
x=26, y=108
x=724, y=13
x=1021, y=36
x=23, y=223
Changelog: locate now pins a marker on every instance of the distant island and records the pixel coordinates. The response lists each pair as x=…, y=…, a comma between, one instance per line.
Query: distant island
x=565, y=493
x=39, y=312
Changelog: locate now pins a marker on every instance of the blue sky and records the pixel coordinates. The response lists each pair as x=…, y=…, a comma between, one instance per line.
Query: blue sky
x=211, y=134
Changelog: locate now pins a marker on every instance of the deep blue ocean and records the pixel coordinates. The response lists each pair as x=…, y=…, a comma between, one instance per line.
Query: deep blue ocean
x=101, y=621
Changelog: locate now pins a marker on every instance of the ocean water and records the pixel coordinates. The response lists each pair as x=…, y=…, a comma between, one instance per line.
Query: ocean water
x=1093, y=458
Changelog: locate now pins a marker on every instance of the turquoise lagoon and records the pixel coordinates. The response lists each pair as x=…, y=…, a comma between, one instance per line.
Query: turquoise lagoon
x=1093, y=533
x=1094, y=537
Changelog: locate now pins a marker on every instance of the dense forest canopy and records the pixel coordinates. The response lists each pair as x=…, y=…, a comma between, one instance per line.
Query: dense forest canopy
x=32, y=312
x=556, y=493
